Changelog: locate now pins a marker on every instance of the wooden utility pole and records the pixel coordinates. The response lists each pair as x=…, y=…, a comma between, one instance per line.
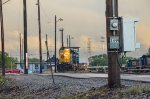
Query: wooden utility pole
x=113, y=66
x=2, y=39
x=40, y=44
x=55, y=44
x=20, y=50
x=46, y=43
x=48, y=57
x=25, y=38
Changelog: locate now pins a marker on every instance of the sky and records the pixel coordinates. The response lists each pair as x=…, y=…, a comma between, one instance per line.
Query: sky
x=82, y=19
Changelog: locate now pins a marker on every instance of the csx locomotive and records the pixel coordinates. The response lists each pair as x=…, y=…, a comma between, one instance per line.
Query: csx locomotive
x=68, y=59
x=139, y=65
x=64, y=55
x=64, y=60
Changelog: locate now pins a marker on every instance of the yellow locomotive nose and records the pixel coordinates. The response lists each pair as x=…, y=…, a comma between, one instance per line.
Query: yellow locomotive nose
x=64, y=55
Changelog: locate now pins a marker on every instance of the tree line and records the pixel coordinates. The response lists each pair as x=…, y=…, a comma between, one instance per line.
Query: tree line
x=102, y=60
x=9, y=61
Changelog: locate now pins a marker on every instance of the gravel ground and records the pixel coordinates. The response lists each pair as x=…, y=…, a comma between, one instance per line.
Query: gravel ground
x=41, y=87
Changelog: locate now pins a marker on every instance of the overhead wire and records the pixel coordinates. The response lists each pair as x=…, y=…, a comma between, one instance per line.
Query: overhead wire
x=43, y=10
x=6, y=2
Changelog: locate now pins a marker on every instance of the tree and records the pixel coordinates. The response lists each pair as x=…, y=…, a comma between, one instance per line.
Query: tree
x=34, y=60
x=9, y=61
x=102, y=60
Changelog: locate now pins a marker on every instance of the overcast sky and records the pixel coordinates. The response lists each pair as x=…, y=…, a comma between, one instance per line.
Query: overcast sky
x=83, y=19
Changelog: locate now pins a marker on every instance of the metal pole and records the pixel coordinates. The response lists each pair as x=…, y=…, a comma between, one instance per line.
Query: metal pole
x=40, y=44
x=113, y=67
x=69, y=41
x=55, y=44
x=25, y=38
x=2, y=39
x=62, y=37
x=20, y=51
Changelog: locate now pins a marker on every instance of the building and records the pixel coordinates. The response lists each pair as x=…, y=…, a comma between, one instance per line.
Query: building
x=34, y=67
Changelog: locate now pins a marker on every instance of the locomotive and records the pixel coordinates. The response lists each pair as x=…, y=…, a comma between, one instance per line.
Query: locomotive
x=68, y=59
x=141, y=64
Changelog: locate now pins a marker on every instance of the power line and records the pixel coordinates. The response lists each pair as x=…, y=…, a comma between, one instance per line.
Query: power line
x=44, y=11
x=6, y=2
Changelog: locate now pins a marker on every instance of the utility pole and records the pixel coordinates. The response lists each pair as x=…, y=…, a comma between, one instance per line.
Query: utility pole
x=2, y=39
x=69, y=41
x=25, y=38
x=46, y=42
x=62, y=36
x=55, y=44
x=20, y=50
x=40, y=44
x=113, y=67
x=48, y=54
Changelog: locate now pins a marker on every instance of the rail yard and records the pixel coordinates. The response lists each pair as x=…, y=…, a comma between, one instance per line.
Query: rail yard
x=42, y=86
x=102, y=50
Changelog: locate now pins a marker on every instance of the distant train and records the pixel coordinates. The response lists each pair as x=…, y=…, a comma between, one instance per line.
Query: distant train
x=141, y=64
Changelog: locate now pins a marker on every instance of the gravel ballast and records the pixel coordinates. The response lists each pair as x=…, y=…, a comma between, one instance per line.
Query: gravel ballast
x=42, y=87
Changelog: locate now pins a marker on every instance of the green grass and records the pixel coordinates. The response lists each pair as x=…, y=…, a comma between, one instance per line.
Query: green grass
x=136, y=90
x=3, y=80
x=115, y=93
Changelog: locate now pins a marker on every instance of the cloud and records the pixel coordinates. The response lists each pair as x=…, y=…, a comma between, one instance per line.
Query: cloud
x=83, y=19
x=143, y=34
